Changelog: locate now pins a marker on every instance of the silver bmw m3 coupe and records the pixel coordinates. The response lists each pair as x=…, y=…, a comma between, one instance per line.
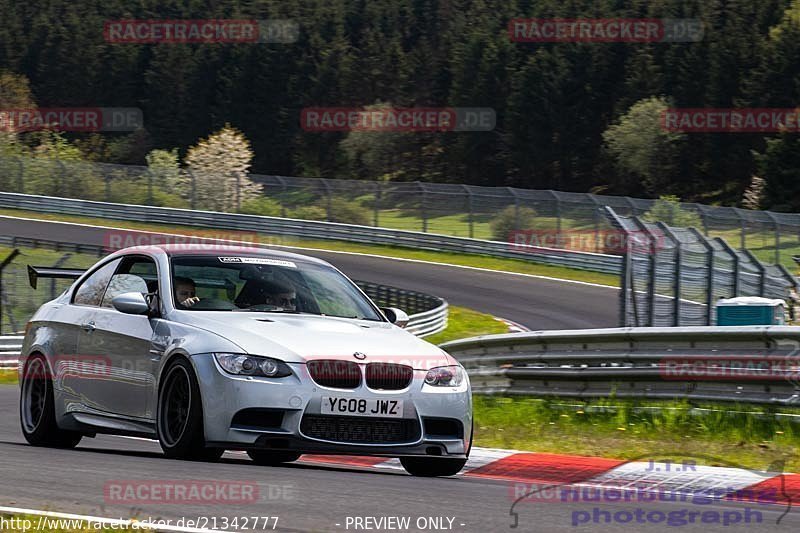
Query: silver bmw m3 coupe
x=274, y=353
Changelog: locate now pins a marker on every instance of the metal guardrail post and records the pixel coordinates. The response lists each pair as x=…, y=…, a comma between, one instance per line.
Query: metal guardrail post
x=149, y=187
x=62, y=176
x=596, y=221
x=424, y=207
x=14, y=253
x=777, y=225
x=514, y=195
x=651, y=289
x=736, y=264
x=626, y=276
x=762, y=282
x=377, y=202
x=21, y=178
x=282, y=195
x=469, y=212
x=710, y=278
x=193, y=193
x=677, y=273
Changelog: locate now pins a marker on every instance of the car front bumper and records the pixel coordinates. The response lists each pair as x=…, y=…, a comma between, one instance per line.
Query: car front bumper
x=293, y=397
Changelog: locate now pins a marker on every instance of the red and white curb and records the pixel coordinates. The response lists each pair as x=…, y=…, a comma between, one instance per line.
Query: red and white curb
x=531, y=472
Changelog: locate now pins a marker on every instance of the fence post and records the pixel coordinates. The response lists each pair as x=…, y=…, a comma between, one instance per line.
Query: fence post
x=58, y=263
x=596, y=220
x=514, y=195
x=282, y=196
x=61, y=177
x=736, y=269
x=676, y=303
x=21, y=179
x=743, y=238
x=651, y=289
x=14, y=253
x=469, y=213
x=710, y=277
x=777, y=236
x=762, y=282
x=328, y=206
x=193, y=197
x=149, y=186
x=424, y=207
x=377, y=202
x=238, y=192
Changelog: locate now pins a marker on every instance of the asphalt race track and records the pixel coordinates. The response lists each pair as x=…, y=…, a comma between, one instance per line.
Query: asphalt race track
x=533, y=302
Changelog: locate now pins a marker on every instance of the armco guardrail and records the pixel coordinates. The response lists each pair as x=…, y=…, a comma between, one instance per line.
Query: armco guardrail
x=426, y=314
x=611, y=264
x=9, y=350
x=753, y=364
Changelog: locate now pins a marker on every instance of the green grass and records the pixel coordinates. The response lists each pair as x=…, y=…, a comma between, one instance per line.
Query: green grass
x=463, y=323
x=470, y=260
x=8, y=376
x=547, y=426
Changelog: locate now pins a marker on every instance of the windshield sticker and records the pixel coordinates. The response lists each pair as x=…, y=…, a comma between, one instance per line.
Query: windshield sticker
x=257, y=261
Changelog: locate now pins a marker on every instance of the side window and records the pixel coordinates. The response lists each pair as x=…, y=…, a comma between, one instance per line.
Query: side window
x=135, y=274
x=91, y=291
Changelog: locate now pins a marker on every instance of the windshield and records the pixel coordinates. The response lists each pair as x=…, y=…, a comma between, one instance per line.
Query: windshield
x=262, y=284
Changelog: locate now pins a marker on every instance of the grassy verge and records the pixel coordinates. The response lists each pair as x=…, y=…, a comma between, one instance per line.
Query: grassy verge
x=463, y=323
x=472, y=260
x=8, y=376
x=743, y=435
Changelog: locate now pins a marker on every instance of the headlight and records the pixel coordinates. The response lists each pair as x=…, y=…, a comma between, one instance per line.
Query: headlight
x=445, y=376
x=252, y=365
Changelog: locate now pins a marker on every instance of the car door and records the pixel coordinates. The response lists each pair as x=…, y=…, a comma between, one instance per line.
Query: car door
x=125, y=342
x=74, y=369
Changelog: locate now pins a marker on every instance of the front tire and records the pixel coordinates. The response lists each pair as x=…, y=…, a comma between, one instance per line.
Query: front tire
x=431, y=466
x=37, y=408
x=179, y=419
x=272, y=457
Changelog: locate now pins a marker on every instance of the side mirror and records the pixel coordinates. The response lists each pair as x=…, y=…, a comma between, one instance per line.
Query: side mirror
x=131, y=303
x=398, y=317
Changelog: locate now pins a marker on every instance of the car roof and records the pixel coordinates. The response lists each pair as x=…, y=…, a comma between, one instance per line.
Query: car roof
x=179, y=250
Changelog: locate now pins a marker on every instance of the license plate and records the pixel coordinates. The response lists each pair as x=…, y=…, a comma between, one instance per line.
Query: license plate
x=362, y=407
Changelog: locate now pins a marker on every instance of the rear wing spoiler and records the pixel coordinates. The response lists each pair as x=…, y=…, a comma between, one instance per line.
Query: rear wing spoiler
x=34, y=273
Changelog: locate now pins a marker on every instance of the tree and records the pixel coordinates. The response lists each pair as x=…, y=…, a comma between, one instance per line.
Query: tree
x=754, y=195
x=642, y=148
x=669, y=210
x=218, y=166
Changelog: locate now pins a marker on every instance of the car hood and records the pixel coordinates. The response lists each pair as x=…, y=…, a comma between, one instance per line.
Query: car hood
x=301, y=338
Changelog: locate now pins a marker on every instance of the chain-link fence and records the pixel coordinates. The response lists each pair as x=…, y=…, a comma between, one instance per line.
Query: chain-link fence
x=460, y=210
x=18, y=301
x=674, y=276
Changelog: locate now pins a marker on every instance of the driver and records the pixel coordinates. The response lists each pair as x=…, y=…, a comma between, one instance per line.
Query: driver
x=286, y=298
x=185, y=291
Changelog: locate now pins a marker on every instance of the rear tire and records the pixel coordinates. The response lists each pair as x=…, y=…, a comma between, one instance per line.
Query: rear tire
x=37, y=408
x=179, y=418
x=272, y=457
x=431, y=466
